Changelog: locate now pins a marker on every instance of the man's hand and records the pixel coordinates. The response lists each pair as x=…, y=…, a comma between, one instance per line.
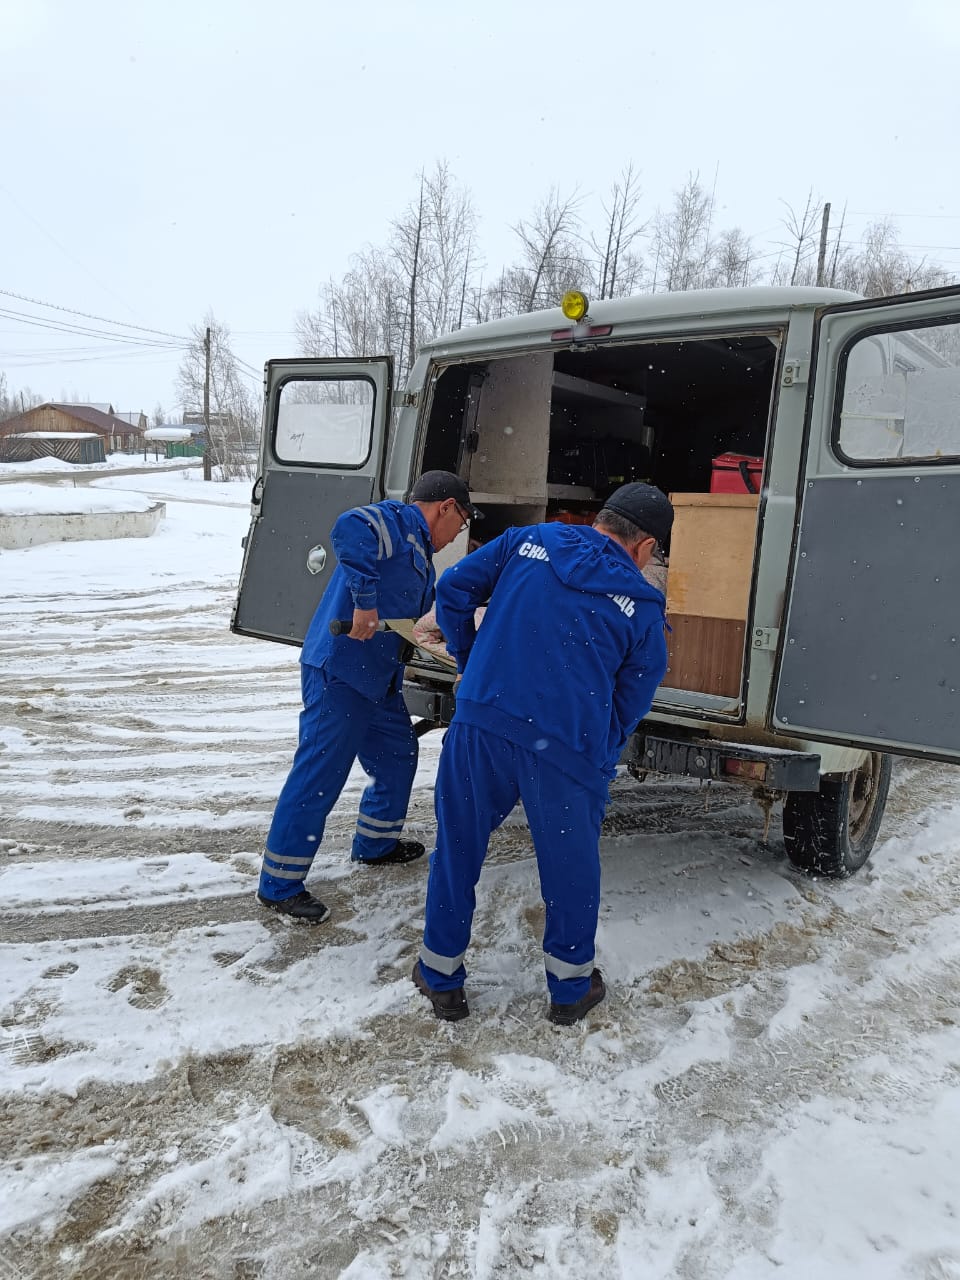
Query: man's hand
x=364, y=624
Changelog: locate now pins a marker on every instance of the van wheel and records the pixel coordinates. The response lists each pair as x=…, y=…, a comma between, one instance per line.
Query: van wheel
x=830, y=832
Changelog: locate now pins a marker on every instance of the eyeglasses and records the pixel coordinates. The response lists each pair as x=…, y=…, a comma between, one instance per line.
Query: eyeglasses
x=463, y=516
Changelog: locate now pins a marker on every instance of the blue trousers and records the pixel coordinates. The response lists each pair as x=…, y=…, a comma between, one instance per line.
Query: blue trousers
x=337, y=727
x=480, y=777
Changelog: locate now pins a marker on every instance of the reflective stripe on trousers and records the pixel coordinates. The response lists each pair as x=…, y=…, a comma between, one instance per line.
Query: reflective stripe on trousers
x=338, y=726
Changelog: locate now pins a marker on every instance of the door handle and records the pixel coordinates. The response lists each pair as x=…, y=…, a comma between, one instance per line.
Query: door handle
x=316, y=559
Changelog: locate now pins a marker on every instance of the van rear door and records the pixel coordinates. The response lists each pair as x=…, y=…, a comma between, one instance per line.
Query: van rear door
x=870, y=651
x=321, y=453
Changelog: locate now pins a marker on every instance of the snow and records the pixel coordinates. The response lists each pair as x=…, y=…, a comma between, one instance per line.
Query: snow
x=190, y=1085
x=113, y=461
x=42, y=499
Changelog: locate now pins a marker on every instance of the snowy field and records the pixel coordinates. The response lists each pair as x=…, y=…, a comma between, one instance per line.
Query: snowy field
x=191, y=1087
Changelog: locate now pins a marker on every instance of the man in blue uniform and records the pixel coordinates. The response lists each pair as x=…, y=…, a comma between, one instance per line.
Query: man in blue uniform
x=353, y=704
x=565, y=665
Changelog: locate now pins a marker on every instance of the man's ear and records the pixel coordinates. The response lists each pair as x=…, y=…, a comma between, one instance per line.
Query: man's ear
x=643, y=552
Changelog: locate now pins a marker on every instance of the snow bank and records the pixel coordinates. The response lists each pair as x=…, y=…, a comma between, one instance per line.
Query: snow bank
x=47, y=499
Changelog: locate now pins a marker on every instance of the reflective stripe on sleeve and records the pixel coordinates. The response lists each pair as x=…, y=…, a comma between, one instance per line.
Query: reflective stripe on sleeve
x=375, y=516
x=443, y=964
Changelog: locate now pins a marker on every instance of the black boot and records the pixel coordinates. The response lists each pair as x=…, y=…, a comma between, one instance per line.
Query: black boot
x=565, y=1015
x=450, y=1006
x=403, y=851
x=302, y=906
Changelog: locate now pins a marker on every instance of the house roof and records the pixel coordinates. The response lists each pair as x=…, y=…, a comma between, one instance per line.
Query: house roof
x=104, y=424
x=95, y=417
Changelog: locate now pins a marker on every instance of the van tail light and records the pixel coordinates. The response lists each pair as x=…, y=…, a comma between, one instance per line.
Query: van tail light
x=755, y=770
x=579, y=333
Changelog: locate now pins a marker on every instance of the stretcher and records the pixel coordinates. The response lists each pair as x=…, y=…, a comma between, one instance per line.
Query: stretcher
x=403, y=627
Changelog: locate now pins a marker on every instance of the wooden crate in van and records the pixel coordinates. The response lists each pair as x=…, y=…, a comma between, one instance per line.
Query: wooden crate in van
x=708, y=590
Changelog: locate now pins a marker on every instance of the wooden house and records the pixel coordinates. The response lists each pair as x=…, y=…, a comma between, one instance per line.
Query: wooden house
x=119, y=435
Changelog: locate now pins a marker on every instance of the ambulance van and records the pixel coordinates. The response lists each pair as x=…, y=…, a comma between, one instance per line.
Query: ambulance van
x=810, y=442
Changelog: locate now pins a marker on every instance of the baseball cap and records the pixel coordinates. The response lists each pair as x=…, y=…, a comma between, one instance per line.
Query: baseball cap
x=646, y=506
x=436, y=486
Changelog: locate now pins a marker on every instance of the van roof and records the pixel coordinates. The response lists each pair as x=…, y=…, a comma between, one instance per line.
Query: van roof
x=760, y=303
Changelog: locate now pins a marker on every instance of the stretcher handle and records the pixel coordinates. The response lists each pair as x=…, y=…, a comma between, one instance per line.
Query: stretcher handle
x=343, y=626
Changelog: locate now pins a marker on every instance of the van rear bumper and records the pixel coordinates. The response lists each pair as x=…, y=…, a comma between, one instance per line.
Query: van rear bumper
x=430, y=703
x=774, y=768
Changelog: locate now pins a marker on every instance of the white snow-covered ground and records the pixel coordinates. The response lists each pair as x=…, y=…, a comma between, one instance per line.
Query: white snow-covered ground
x=191, y=1087
x=59, y=467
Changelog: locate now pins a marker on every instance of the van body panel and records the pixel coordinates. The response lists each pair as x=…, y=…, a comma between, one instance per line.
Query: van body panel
x=869, y=653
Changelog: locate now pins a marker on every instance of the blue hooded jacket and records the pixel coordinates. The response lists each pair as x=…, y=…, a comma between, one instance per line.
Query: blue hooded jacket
x=385, y=562
x=570, y=651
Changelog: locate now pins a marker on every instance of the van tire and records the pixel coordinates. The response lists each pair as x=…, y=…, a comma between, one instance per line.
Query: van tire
x=831, y=832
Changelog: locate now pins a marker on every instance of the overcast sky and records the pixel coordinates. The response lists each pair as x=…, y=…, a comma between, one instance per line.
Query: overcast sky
x=165, y=158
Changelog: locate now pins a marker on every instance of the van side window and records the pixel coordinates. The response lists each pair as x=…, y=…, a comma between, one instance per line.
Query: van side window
x=899, y=396
x=325, y=421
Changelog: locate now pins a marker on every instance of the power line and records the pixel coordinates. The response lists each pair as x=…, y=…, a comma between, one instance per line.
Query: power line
x=87, y=315
x=865, y=213
x=65, y=326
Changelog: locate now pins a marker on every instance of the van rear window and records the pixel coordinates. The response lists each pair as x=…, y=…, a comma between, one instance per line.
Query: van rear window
x=325, y=421
x=900, y=396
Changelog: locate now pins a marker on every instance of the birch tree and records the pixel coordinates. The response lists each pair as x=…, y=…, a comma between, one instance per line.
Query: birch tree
x=681, y=239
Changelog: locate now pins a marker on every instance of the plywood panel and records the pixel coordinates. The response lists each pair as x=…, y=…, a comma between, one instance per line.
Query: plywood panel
x=711, y=554
x=705, y=654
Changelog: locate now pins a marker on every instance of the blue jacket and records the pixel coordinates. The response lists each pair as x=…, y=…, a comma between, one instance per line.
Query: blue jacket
x=385, y=562
x=571, y=649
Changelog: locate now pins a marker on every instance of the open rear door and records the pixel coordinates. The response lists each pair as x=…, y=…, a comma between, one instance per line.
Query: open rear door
x=322, y=452
x=870, y=652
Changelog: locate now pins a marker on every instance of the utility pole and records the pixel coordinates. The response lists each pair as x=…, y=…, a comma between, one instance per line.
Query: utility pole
x=207, y=462
x=822, y=255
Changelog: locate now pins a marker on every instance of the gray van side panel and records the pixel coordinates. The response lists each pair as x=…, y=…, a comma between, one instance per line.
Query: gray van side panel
x=872, y=649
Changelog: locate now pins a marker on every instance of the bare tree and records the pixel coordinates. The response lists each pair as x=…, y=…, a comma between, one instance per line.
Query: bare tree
x=732, y=262
x=882, y=267
x=619, y=265
x=234, y=409
x=552, y=256
x=681, y=239
x=13, y=402
x=801, y=244
x=392, y=299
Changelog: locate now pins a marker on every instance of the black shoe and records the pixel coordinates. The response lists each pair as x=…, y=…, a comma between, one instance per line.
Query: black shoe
x=565, y=1015
x=403, y=851
x=302, y=906
x=451, y=1006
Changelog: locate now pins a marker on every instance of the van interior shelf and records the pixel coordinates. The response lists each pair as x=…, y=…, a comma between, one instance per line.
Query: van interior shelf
x=568, y=492
x=507, y=499
x=571, y=385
